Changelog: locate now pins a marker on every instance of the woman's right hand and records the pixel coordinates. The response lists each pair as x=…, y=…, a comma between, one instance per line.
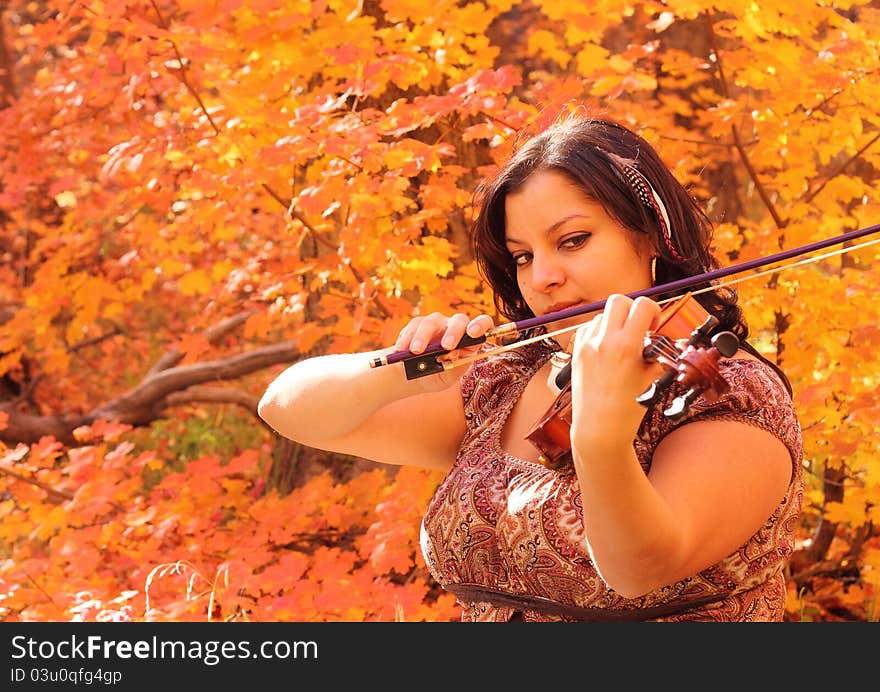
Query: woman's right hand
x=421, y=331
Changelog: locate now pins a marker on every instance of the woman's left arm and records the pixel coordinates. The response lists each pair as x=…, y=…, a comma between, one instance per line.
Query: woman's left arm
x=712, y=483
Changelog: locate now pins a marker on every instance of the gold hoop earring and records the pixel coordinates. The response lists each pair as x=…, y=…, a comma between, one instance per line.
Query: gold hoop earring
x=654, y=270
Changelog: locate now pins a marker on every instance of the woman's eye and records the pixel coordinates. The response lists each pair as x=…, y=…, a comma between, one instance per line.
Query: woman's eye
x=522, y=259
x=575, y=241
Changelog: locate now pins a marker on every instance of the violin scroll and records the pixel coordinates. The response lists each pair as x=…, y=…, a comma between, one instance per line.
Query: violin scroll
x=694, y=367
x=694, y=364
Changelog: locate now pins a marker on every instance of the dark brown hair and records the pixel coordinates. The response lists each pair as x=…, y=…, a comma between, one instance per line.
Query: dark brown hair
x=591, y=152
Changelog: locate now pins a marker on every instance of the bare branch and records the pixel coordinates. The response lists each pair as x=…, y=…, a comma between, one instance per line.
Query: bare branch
x=737, y=139
x=359, y=277
x=214, y=395
x=143, y=403
x=147, y=401
x=115, y=331
x=183, y=76
x=7, y=84
x=58, y=494
x=837, y=171
x=212, y=334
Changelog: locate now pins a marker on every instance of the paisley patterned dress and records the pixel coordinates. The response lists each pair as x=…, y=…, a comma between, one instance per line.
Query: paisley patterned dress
x=510, y=525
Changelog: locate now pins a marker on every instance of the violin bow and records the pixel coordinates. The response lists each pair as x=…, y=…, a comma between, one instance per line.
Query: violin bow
x=428, y=362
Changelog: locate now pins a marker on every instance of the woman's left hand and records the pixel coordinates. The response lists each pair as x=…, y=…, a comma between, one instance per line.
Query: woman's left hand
x=608, y=370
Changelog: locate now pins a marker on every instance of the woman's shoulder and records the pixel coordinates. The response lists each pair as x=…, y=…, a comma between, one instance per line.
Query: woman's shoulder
x=754, y=380
x=755, y=395
x=754, y=392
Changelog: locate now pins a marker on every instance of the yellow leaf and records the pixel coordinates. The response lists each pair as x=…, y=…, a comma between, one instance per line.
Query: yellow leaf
x=396, y=157
x=171, y=266
x=591, y=58
x=221, y=270
x=545, y=42
x=195, y=282
x=66, y=199
x=839, y=512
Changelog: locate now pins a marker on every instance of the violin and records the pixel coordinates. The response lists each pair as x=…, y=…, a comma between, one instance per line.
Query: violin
x=682, y=343
x=428, y=362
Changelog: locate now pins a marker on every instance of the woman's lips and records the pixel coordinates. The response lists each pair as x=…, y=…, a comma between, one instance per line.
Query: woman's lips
x=557, y=307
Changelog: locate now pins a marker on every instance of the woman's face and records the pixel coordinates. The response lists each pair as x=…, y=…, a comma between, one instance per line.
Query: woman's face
x=568, y=251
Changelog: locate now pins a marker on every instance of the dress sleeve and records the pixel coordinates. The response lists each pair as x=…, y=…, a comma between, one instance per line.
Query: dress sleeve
x=756, y=397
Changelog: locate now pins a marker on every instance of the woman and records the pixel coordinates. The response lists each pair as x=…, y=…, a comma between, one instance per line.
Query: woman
x=654, y=518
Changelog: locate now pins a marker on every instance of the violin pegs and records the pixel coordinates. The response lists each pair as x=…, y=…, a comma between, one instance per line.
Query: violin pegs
x=707, y=326
x=681, y=404
x=652, y=393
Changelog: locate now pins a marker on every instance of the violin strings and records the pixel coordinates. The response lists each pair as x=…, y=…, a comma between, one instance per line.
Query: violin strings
x=450, y=364
x=666, y=350
x=661, y=346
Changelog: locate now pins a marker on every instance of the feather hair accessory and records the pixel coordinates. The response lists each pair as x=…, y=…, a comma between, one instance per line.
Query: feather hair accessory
x=648, y=196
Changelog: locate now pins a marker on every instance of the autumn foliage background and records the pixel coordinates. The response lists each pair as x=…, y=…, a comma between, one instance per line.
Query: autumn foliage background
x=196, y=193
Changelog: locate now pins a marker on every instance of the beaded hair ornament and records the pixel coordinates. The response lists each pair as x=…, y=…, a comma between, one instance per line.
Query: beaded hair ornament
x=648, y=196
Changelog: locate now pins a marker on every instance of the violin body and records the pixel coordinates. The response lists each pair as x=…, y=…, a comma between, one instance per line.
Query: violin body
x=552, y=434
x=681, y=343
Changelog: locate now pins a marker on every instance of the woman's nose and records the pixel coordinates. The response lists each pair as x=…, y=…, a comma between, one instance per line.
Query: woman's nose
x=546, y=273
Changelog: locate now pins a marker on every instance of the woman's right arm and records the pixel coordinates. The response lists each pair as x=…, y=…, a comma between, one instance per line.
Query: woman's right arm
x=341, y=404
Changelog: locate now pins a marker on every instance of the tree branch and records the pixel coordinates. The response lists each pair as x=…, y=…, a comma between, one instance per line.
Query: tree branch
x=85, y=343
x=59, y=494
x=145, y=403
x=212, y=335
x=359, y=277
x=737, y=139
x=7, y=84
x=841, y=168
x=184, y=77
x=215, y=395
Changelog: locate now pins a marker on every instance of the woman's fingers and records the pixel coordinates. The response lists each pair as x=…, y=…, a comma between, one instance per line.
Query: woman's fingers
x=406, y=334
x=615, y=314
x=428, y=330
x=643, y=314
x=421, y=331
x=625, y=319
x=480, y=325
x=455, y=329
